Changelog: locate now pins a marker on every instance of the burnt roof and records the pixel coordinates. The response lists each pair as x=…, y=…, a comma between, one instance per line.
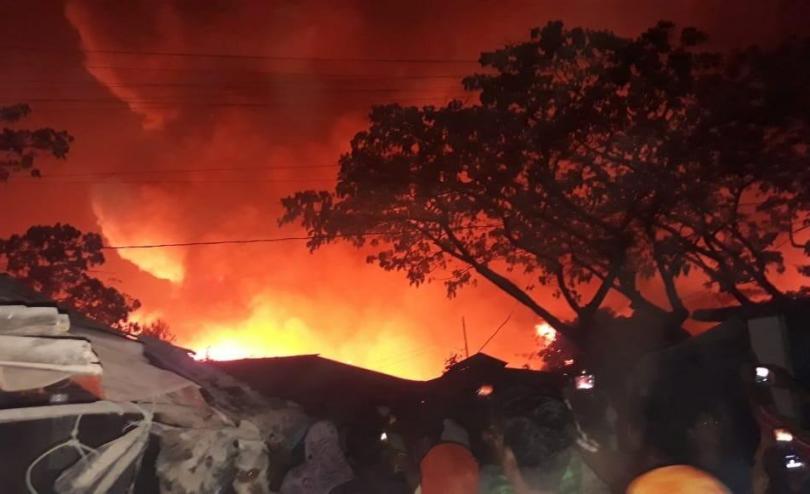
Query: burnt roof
x=322, y=386
x=477, y=361
x=344, y=392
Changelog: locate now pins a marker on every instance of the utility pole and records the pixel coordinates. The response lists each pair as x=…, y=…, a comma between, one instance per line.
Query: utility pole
x=464, y=332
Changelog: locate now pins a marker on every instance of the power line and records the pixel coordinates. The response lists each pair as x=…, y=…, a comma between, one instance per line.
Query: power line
x=168, y=103
x=320, y=75
x=105, y=173
x=246, y=56
x=246, y=71
x=45, y=180
x=221, y=84
x=148, y=102
x=215, y=242
x=266, y=85
x=495, y=333
x=275, y=240
x=234, y=241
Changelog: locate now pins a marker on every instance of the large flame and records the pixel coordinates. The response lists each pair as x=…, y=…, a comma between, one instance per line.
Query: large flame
x=129, y=217
x=273, y=299
x=274, y=331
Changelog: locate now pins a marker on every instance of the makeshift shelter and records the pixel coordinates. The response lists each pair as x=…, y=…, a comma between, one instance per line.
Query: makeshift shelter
x=328, y=388
x=86, y=409
x=324, y=387
x=364, y=402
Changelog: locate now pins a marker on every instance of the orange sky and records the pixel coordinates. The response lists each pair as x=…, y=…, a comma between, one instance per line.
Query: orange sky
x=146, y=118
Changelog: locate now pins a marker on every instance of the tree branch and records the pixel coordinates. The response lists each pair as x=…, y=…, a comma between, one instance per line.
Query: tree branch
x=668, y=279
x=459, y=251
x=566, y=292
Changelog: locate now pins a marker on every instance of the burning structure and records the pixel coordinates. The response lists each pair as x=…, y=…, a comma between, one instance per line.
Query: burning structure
x=95, y=410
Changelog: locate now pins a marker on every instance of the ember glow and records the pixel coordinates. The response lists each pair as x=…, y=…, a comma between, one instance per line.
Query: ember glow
x=485, y=390
x=782, y=435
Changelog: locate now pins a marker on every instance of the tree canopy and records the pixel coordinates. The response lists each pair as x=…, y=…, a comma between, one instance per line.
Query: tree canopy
x=591, y=164
x=58, y=261
x=20, y=147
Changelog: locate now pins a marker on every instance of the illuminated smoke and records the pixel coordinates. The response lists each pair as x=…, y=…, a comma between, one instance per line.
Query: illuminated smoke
x=276, y=299
x=134, y=216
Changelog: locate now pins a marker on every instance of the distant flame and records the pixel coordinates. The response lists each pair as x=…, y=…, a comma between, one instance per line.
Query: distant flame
x=783, y=435
x=272, y=330
x=546, y=333
x=485, y=390
x=120, y=214
x=227, y=350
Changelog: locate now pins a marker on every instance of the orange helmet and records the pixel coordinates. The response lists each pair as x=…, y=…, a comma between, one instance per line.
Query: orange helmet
x=676, y=479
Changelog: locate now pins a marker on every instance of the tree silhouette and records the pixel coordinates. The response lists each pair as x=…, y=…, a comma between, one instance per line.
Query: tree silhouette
x=20, y=147
x=157, y=329
x=57, y=261
x=451, y=360
x=593, y=164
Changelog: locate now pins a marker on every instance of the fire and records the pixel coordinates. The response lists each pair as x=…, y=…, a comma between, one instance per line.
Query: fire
x=271, y=330
x=119, y=213
x=267, y=332
x=226, y=350
x=546, y=333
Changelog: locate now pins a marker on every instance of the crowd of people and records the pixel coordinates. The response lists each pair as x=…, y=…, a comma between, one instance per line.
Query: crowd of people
x=520, y=442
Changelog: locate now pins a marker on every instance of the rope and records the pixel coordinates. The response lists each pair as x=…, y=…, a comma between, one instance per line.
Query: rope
x=82, y=449
x=73, y=442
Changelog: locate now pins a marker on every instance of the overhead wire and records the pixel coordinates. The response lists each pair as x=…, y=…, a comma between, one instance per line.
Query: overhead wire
x=42, y=181
x=225, y=83
x=268, y=239
x=242, y=70
x=243, y=56
x=495, y=333
x=170, y=102
x=104, y=173
x=111, y=176
x=114, y=104
x=226, y=94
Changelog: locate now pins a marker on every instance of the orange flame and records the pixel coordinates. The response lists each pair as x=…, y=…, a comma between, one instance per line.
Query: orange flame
x=546, y=333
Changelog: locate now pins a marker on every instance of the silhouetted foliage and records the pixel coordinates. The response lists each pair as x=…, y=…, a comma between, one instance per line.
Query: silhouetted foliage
x=57, y=261
x=558, y=354
x=20, y=147
x=451, y=360
x=592, y=163
x=156, y=329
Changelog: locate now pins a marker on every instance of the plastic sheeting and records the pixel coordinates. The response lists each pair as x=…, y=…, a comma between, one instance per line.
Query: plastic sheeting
x=36, y=351
x=21, y=320
x=128, y=375
x=201, y=450
x=100, y=470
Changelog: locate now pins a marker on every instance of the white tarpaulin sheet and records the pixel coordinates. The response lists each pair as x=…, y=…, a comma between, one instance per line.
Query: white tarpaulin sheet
x=36, y=321
x=128, y=375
